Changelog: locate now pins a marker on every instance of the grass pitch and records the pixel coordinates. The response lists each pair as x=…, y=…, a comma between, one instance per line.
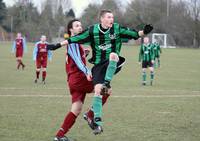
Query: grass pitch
x=167, y=111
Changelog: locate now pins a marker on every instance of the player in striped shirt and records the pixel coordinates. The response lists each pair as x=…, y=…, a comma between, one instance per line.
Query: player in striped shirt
x=157, y=51
x=105, y=39
x=146, y=56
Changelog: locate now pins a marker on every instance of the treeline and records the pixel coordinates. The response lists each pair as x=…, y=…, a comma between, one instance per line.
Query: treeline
x=180, y=18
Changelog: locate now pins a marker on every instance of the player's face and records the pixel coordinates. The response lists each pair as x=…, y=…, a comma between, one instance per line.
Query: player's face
x=146, y=40
x=76, y=28
x=107, y=20
x=19, y=35
x=43, y=38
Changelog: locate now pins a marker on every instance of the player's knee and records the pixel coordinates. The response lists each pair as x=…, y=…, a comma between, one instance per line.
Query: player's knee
x=44, y=69
x=76, y=108
x=97, y=89
x=114, y=57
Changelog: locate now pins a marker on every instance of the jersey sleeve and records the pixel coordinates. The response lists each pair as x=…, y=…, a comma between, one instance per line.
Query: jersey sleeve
x=140, y=54
x=24, y=44
x=13, y=47
x=35, y=50
x=127, y=33
x=74, y=52
x=82, y=38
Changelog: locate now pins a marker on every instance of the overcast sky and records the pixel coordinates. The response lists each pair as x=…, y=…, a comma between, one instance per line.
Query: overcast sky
x=78, y=5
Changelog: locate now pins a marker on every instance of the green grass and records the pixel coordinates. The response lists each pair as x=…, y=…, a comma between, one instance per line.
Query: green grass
x=167, y=111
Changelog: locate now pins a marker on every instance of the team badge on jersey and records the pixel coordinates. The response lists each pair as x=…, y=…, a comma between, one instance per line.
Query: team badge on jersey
x=112, y=36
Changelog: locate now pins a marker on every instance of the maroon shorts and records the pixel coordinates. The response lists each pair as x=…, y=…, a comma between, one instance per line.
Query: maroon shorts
x=19, y=53
x=41, y=62
x=79, y=86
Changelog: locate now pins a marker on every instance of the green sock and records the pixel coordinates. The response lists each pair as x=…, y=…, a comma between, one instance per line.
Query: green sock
x=111, y=70
x=158, y=62
x=152, y=75
x=97, y=109
x=144, y=76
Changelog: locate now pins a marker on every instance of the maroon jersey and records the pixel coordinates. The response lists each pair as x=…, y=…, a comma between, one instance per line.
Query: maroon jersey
x=71, y=67
x=19, y=47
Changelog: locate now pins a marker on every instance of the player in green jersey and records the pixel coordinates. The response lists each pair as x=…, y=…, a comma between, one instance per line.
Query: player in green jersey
x=105, y=39
x=146, y=56
x=157, y=51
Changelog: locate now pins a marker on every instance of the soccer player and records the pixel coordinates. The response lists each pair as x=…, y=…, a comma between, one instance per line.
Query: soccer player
x=19, y=47
x=105, y=39
x=40, y=56
x=79, y=80
x=157, y=51
x=146, y=55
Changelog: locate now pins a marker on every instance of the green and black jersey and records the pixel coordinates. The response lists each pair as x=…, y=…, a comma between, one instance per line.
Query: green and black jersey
x=146, y=52
x=104, y=42
x=157, y=50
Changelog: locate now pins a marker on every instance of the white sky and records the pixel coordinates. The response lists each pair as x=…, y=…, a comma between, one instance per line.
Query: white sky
x=78, y=5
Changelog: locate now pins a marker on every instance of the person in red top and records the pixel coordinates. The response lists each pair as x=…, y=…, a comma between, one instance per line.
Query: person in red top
x=19, y=46
x=79, y=79
x=40, y=56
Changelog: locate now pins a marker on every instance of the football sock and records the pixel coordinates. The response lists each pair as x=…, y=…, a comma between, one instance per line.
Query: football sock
x=18, y=64
x=97, y=108
x=37, y=74
x=44, y=73
x=112, y=66
x=144, y=76
x=152, y=75
x=90, y=113
x=158, y=62
x=67, y=124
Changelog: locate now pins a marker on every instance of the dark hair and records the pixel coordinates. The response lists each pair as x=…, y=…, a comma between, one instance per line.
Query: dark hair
x=70, y=24
x=103, y=12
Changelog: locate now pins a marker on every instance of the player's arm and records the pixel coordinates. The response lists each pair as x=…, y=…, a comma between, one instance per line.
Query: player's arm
x=133, y=34
x=56, y=46
x=24, y=44
x=13, y=47
x=74, y=52
x=82, y=38
x=35, y=50
x=140, y=54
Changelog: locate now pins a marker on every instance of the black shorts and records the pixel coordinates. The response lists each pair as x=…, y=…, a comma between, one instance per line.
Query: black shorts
x=146, y=64
x=99, y=70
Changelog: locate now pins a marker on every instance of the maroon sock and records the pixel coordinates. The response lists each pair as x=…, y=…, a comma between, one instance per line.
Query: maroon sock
x=67, y=124
x=18, y=63
x=90, y=113
x=37, y=74
x=44, y=73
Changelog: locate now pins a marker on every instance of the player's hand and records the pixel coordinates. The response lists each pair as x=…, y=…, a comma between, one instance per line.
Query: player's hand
x=63, y=43
x=148, y=28
x=152, y=61
x=89, y=77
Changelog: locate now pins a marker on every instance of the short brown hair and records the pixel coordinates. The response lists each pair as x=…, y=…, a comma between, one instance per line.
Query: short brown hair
x=103, y=12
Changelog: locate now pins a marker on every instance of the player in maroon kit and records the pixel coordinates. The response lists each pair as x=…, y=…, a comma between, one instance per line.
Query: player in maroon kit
x=19, y=46
x=79, y=79
x=40, y=56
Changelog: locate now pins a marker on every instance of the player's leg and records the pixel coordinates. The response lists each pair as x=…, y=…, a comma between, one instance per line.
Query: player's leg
x=77, y=104
x=38, y=68
x=151, y=74
x=44, y=73
x=111, y=69
x=89, y=115
x=18, y=62
x=144, y=75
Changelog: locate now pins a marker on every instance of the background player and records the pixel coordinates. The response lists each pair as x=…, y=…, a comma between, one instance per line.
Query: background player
x=41, y=56
x=146, y=56
x=19, y=47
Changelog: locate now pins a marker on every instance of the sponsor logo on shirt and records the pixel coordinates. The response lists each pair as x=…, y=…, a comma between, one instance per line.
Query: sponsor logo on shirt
x=105, y=46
